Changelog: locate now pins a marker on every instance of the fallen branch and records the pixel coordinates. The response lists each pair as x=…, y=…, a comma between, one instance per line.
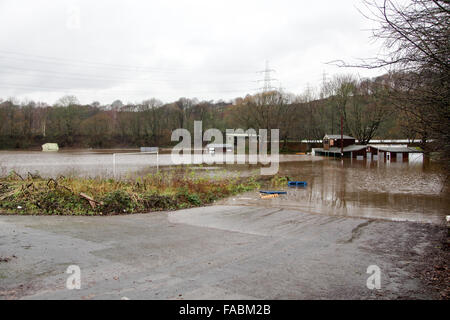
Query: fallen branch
x=91, y=200
x=67, y=188
x=52, y=180
x=25, y=188
x=15, y=173
x=32, y=176
x=7, y=195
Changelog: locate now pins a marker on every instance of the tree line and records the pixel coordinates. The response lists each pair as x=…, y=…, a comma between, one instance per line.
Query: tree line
x=364, y=105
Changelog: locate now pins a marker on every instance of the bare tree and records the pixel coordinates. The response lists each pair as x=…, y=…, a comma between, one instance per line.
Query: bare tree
x=342, y=88
x=416, y=38
x=367, y=110
x=66, y=101
x=267, y=110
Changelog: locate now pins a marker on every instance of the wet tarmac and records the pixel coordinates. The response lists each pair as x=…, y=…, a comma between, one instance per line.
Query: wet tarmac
x=215, y=252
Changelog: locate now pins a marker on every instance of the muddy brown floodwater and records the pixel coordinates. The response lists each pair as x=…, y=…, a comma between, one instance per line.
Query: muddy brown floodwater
x=393, y=191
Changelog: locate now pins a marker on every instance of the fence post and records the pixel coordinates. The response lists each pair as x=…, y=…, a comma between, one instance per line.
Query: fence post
x=114, y=165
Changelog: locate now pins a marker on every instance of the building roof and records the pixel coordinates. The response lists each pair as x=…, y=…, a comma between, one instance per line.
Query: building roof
x=396, y=149
x=356, y=147
x=337, y=137
x=353, y=147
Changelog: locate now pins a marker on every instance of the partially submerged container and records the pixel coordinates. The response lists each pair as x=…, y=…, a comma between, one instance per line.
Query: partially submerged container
x=297, y=183
x=272, y=192
x=50, y=147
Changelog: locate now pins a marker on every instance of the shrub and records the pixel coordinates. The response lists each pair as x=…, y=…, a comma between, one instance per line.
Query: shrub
x=158, y=202
x=117, y=201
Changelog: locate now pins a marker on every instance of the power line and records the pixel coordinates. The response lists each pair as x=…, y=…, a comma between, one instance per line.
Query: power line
x=81, y=76
x=50, y=88
x=62, y=61
x=77, y=76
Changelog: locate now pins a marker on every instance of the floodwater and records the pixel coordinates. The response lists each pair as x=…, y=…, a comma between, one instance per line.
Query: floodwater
x=392, y=191
x=395, y=191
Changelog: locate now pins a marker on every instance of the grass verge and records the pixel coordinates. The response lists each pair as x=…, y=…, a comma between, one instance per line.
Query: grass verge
x=34, y=195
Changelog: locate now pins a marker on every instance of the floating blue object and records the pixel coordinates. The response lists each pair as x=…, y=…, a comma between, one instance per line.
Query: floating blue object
x=273, y=192
x=297, y=183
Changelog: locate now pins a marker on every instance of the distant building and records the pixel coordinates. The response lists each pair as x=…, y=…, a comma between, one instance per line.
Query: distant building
x=334, y=141
x=385, y=153
x=392, y=153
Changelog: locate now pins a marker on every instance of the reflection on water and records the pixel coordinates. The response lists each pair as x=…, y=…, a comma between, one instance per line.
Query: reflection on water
x=395, y=191
x=392, y=191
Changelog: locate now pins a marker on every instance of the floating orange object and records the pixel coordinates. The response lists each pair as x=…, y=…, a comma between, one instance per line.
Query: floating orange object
x=301, y=153
x=269, y=196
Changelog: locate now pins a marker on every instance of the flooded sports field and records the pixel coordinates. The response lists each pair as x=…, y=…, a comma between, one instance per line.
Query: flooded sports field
x=392, y=191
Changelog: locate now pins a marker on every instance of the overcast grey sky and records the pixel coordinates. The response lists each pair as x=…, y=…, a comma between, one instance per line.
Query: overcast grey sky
x=132, y=50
